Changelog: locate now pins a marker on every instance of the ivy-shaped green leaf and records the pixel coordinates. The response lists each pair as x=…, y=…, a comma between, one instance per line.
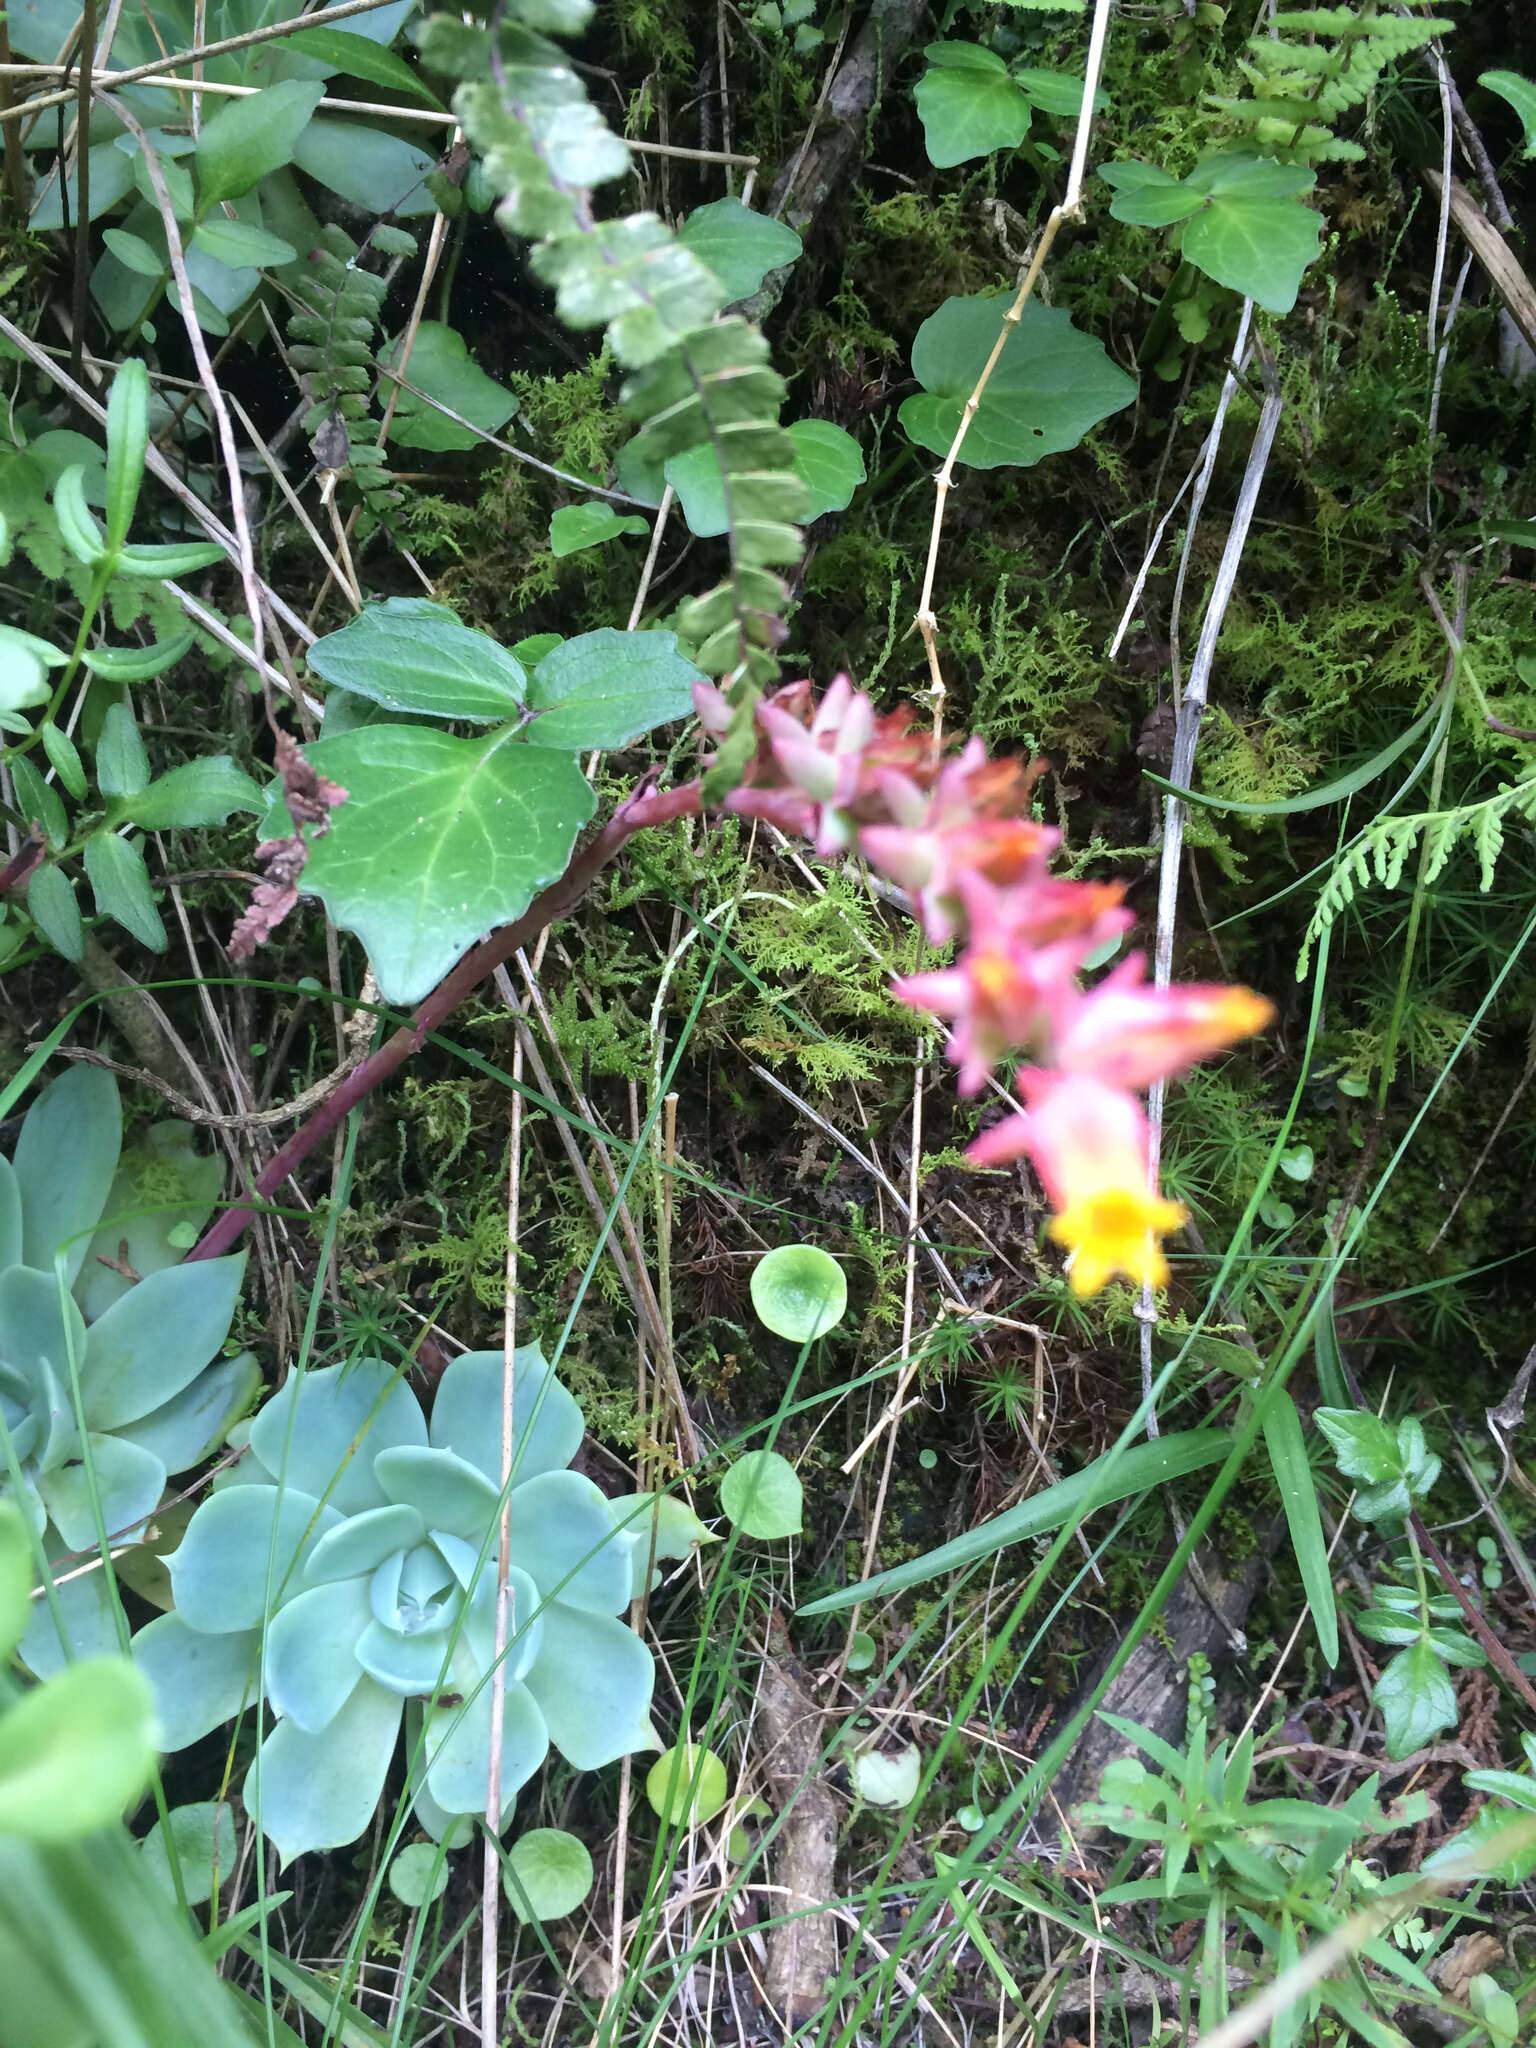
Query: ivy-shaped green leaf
x=969, y=104
x=1051, y=384
x=739, y=246
x=445, y=839
x=1244, y=223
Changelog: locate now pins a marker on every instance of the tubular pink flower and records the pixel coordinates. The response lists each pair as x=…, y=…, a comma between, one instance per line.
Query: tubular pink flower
x=1089, y=1144
x=1014, y=987
x=1130, y=1035
x=970, y=825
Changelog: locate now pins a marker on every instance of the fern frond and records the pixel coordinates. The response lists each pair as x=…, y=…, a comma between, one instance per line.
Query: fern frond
x=1383, y=850
x=332, y=341
x=1312, y=65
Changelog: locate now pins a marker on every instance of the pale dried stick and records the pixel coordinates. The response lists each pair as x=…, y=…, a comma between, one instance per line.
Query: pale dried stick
x=490, y=1875
x=245, y=553
x=1069, y=208
x=897, y=1405
x=1186, y=734
x=1230, y=384
x=642, y=589
x=272, y=32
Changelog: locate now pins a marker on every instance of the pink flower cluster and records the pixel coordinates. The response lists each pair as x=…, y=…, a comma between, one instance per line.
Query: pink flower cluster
x=954, y=834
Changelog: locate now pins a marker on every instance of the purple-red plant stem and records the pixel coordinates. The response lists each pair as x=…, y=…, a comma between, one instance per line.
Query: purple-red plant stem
x=18, y=869
x=645, y=807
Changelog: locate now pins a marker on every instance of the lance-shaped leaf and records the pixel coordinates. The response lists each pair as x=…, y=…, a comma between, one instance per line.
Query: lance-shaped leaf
x=409, y=654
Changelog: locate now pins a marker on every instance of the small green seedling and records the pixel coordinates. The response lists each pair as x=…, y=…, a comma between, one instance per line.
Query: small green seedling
x=687, y=1785
x=799, y=1292
x=547, y=1874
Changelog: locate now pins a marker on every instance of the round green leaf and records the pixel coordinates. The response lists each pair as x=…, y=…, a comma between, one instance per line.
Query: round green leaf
x=799, y=1292
x=547, y=1874
x=1297, y=1163
x=738, y=245
x=886, y=1780
x=968, y=104
x=687, y=1785
x=440, y=841
x=205, y=1839
x=418, y=1875
x=862, y=1651
x=75, y=1751
x=1051, y=384
x=762, y=1496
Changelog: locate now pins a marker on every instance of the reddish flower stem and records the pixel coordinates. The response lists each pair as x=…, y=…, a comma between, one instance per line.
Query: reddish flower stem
x=18, y=869
x=644, y=807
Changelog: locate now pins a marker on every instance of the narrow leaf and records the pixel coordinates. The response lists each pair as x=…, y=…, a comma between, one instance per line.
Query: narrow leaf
x=127, y=441
x=1099, y=1484
x=1293, y=1475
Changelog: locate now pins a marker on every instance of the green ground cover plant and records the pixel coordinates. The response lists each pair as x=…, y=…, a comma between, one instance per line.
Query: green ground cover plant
x=938, y=1517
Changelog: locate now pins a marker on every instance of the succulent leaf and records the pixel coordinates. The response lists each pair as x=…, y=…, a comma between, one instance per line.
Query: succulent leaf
x=444, y=1489
x=309, y=1676
x=65, y=1159
x=459, y=1748
x=363, y=1542
x=38, y=1325
x=593, y=1686
x=323, y=1431
x=154, y=1340
x=192, y=1423
x=10, y=1216
x=375, y=1563
x=128, y=1483
x=139, y=1343
x=563, y=1529
x=200, y=1680
x=161, y=1196
x=84, y=1608
x=318, y=1791
x=466, y=1415
x=219, y=1571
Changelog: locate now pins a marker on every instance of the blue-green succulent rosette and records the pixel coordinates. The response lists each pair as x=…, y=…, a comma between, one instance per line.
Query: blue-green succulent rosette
x=367, y=1541
x=112, y=1367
